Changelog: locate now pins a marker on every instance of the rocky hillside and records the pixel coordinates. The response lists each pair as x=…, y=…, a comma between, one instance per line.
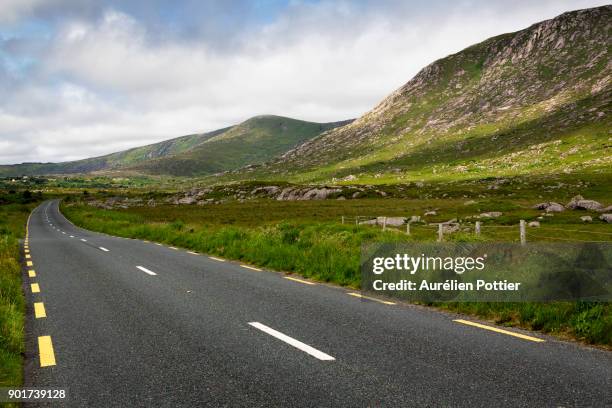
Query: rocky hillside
x=255, y=140
x=537, y=100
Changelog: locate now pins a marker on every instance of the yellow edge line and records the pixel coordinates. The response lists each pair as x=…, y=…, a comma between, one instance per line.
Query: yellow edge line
x=251, y=267
x=45, y=351
x=497, y=330
x=32, y=273
x=39, y=310
x=29, y=263
x=217, y=259
x=359, y=295
x=35, y=288
x=299, y=280
x=192, y=253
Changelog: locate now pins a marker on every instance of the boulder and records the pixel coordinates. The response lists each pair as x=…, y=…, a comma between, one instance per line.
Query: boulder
x=319, y=193
x=396, y=221
x=580, y=203
x=586, y=218
x=534, y=224
x=573, y=202
x=606, y=217
x=450, y=226
x=554, y=207
x=431, y=213
x=588, y=205
x=269, y=190
x=373, y=221
x=491, y=214
x=187, y=200
x=549, y=207
x=415, y=218
x=606, y=210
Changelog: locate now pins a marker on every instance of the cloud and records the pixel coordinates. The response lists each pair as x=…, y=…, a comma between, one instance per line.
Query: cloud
x=103, y=79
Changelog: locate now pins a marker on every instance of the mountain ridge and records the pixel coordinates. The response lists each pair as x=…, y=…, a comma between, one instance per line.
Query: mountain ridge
x=490, y=91
x=146, y=158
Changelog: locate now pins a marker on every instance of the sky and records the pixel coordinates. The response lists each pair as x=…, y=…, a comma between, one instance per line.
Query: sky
x=83, y=78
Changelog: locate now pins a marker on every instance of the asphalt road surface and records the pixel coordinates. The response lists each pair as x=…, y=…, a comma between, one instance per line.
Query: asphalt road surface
x=126, y=323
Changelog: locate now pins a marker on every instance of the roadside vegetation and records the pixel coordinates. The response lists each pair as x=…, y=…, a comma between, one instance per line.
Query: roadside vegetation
x=15, y=208
x=308, y=238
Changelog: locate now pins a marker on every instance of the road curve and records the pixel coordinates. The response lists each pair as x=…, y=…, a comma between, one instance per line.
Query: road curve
x=133, y=323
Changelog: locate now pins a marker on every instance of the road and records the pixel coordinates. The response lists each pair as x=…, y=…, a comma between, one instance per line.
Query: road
x=134, y=323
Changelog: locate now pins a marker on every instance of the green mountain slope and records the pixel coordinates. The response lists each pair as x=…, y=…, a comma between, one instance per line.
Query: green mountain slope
x=112, y=161
x=252, y=142
x=534, y=101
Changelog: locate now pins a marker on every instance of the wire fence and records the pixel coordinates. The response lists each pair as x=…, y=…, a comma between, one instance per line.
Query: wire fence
x=521, y=232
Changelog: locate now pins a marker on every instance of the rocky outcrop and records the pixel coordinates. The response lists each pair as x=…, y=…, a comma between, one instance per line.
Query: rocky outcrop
x=549, y=207
x=296, y=194
x=606, y=217
x=580, y=203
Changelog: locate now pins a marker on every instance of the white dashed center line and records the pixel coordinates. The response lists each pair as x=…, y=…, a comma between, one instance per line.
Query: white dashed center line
x=145, y=270
x=295, y=343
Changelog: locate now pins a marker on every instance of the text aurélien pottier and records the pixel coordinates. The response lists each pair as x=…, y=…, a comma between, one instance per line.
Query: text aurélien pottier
x=411, y=264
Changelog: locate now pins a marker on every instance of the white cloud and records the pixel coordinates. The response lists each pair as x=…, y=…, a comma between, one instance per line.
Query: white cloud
x=104, y=85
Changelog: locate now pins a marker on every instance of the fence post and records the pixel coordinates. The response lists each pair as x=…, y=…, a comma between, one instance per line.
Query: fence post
x=523, y=234
x=384, y=223
x=407, y=228
x=343, y=219
x=477, y=228
x=440, y=232
x=356, y=220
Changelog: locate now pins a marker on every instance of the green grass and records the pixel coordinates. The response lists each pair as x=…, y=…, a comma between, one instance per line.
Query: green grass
x=13, y=217
x=307, y=237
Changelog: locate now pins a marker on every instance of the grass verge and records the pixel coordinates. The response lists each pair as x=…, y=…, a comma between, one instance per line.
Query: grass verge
x=13, y=217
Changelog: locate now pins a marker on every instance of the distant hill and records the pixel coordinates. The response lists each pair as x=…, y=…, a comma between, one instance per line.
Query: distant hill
x=534, y=101
x=253, y=141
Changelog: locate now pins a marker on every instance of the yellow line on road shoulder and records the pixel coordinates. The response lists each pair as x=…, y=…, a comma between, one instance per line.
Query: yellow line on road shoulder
x=359, y=295
x=39, y=310
x=299, y=280
x=35, y=288
x=29, y=263
x=192, y=253
x=32, y=273
x=45, y=350
x=251, y=267
x=497, y=330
